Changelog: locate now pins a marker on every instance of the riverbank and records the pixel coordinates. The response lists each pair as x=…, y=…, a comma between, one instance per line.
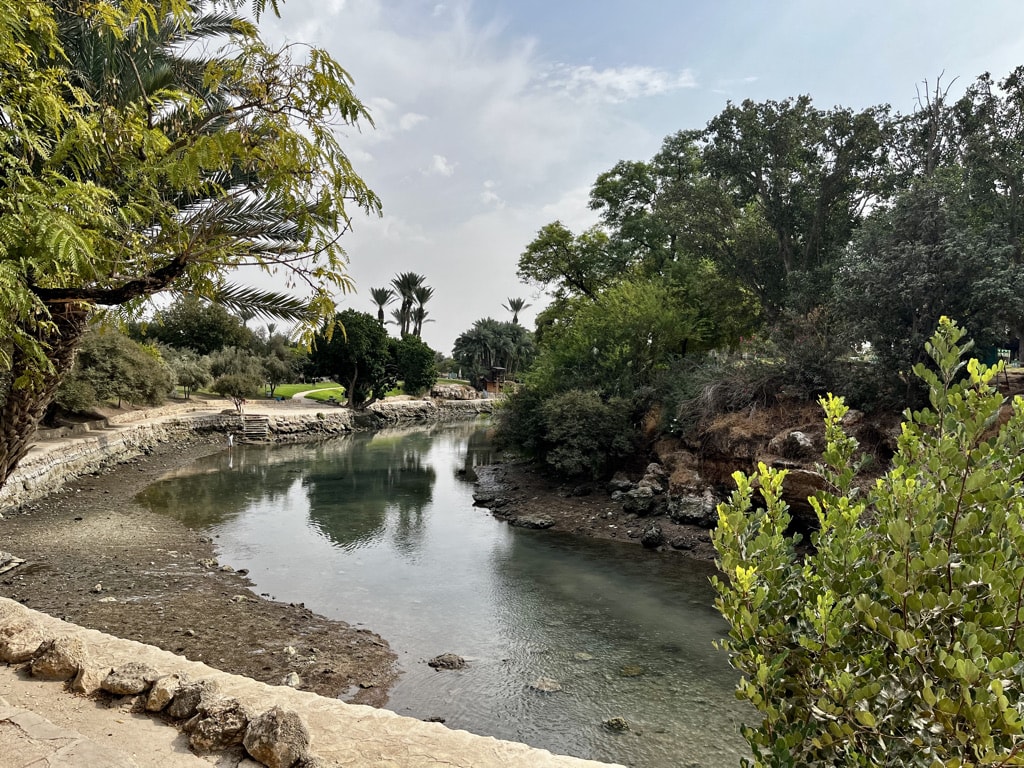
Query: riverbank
x=98, y=559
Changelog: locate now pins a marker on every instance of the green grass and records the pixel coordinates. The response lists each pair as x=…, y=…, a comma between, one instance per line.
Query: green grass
x=323, y=394
x=287, y=390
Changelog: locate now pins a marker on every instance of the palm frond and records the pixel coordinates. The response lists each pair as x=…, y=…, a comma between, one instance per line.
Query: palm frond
x=246, y=300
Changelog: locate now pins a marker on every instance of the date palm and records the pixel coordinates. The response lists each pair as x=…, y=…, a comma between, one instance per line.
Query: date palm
x=381, y=298
x=515, y=306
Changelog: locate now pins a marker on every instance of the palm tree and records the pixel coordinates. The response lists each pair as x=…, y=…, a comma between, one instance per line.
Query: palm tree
x=515, y=306
x=405, y=285
x=381, y=297
x=422, y=294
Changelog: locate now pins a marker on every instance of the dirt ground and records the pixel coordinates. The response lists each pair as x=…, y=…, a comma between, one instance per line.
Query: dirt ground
x=98, y=559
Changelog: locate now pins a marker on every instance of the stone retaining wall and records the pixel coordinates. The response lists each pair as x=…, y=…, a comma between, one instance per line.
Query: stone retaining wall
x=51, y=463
x=333, y=733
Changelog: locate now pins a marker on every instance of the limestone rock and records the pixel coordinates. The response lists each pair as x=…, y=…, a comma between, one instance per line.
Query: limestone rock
x=546, y=685
x=163, y=691
x=638, y=501
x=447, y=661
x=130, y=679
x=19, y=644
x=793, y=444
x=277, y=738
x=292, y=680
x=60, y=659
x=189, y=697
x=652, y=537
x=531, y=521
x=619, y=482
x=220, y=723
x=691, y=509
x=89, y=679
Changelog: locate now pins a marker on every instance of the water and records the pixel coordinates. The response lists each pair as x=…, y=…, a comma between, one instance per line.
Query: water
x=379, y=530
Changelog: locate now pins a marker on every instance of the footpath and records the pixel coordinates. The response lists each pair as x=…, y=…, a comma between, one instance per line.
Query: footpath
x=69, y=719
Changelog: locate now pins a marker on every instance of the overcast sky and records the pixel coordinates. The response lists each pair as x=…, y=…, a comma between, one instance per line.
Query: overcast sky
x=494, y=117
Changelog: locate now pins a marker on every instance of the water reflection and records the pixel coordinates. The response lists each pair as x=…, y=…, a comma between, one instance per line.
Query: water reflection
x=381, y=530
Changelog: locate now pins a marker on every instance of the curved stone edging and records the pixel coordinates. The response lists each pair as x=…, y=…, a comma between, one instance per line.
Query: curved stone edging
x=51, y=464
x=338, y=733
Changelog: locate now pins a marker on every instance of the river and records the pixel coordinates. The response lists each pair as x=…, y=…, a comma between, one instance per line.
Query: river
x=380, y=530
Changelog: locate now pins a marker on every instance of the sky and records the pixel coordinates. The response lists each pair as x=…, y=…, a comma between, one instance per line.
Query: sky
x=493, y=118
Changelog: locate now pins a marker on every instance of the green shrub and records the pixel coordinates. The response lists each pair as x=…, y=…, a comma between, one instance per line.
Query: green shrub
x=898, y=639
x=585, y=433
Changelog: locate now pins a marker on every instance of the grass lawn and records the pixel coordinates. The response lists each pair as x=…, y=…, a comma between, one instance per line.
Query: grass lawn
x=287, y=390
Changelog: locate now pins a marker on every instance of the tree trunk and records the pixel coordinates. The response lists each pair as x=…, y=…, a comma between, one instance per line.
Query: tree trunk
x=24, y=406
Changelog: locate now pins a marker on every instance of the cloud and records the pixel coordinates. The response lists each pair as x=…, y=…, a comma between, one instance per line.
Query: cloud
x=440, y=166
x=616, y=85
x=489, y=197
x=410, y=120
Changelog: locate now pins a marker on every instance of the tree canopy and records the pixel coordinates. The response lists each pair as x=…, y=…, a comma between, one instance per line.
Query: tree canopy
x=152, y=147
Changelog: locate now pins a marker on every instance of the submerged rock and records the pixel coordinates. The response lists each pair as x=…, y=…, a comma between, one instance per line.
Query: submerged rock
x=546, y=685
x=447, y=661
x=531, y=521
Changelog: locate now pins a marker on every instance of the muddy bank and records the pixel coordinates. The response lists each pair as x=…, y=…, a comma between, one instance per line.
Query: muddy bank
x=100, y=560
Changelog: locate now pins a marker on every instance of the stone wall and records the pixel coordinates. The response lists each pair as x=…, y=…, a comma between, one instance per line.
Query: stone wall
x=54, y=461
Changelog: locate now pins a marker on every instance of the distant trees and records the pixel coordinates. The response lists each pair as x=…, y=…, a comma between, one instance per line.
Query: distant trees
x=413, y=292
x=494, y=344
x=515, y=306
x=202, y=326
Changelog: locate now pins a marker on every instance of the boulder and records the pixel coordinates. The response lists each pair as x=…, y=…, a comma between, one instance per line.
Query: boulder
x=619, y=482
x=220, y=723
x=89, y=679
x=60, y=659
x=278, y=738
x=130, y=679
x=447, y=661
x=163, y=691
x=189, y=697
x=638, y=501
x=19, y=644
x=793, y=444
x=652, y=537
x=694, y=510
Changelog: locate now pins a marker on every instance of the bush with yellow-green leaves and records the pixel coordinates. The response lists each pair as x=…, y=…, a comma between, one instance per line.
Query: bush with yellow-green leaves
x=897, y=639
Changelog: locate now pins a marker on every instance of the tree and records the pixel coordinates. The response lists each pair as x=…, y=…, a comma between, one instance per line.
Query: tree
x=567, y=264
x=353, y=351
x=113, y=366
x=617, y=343
x=421, y=294
x=381, y=297
x=203, y=327
x=415, y=365
x=515, y=306
x=493, y=344
x=919, y=260
x=897, y=637
x=406, y=284
x=237, y=388
x=191, y=372
x=112, y=194
x=808, y=175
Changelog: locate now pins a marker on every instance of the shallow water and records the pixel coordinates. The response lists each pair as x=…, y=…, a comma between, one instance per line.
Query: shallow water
x=380, y=530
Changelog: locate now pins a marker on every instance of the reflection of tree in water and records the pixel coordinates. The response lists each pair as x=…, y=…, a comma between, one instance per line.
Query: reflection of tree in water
x=220, y=487
x=351, y=492
x=480, y=452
